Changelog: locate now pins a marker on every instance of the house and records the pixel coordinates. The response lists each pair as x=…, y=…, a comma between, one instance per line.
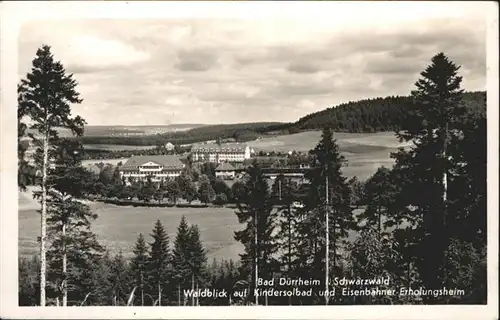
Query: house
x=158, y=167
x=225, y=171
x=295, y=174
x=218, y=153
x=169, y=146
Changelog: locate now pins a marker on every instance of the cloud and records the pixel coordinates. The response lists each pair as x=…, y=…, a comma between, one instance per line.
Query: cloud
x=302, y=67
x=230, y=70
x=195, y=60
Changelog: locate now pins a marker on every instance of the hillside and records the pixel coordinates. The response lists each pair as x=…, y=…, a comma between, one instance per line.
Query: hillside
x=372, y=115
x=239, y=132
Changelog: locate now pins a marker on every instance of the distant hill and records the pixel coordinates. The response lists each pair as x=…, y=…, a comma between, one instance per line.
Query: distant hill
x=371, y=115
x=238, y=132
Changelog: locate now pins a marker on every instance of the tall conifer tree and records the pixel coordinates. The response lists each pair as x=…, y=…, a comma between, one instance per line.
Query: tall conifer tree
x=46, y=96
x=159, y=260
x=326, y=176
x=433, y=124
x=139, y=265
x=258, y=237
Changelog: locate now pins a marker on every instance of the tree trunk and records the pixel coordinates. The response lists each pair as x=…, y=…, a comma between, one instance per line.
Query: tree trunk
x=256, y=258
x=43, y=261
x=64, y=266
x=379, y=220
x=327, y=241
x=192, y=287
x=445, y=174
x=142, y=290
x=179, y=295
x=159, y=294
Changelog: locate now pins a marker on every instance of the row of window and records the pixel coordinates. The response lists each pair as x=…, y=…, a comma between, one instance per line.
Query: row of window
x=143, y=173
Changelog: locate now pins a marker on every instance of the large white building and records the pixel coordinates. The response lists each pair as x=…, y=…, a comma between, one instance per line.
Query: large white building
x=233, y=152
x=158, y=167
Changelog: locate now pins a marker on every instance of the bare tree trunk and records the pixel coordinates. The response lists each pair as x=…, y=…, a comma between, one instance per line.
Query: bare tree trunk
x=327, y=251
x=43, y=261
x=179, y=295
x=192, y=288
x=256, y=259
x=64, y=266
x=379, y=220
x=289, y=244
x=142, y=290
x=159, y=294
x=197, y=297
x=445, y=173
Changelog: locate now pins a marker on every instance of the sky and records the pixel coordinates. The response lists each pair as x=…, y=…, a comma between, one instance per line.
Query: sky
x=272, y=68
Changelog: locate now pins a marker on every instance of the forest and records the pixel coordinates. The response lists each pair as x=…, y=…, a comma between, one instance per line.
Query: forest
x=422, y=225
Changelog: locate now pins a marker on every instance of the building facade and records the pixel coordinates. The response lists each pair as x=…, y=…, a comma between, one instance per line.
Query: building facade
x=216, y=153
x=225, y=171
x=158, y=168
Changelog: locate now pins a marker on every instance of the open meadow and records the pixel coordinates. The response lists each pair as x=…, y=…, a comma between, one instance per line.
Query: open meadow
x=118, y=227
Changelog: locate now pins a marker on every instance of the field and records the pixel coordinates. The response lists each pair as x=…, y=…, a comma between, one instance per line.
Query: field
x=116, y=147
x=118, y=227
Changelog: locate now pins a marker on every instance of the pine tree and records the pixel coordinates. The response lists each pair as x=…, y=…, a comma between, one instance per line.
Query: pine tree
x=258, y=238
x=159, y=259
x=180, y=260
x=197, y=257
x=433, y=124
x=325, y=176
x=379, y=197
x=120, y=281
x=286, y=193
x=139, y=265
x=69, y=220
x=45, y=96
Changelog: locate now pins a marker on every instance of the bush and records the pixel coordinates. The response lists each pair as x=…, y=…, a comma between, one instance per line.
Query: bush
x=220, y=199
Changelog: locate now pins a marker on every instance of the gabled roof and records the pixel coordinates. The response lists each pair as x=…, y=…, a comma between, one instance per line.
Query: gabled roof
x=167, y=161
x=213, y=147
x=225, y=167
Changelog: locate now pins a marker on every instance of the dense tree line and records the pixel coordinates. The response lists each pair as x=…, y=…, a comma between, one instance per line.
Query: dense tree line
x=240, y=132
x=372, y=115
x=91, y=153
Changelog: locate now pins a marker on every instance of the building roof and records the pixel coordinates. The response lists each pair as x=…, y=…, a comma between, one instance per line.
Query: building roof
x=167, y=161
x=225, y=167
x=213, y=147
x=169, y=145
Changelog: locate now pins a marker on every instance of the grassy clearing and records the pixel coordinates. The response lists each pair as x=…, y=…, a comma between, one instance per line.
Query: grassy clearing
x=116, y=147
x=118, y=227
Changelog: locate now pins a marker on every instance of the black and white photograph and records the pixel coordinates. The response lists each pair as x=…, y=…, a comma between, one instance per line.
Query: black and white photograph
x=184, y=156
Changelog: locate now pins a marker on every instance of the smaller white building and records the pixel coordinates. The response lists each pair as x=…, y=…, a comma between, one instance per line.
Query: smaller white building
x=225, y=171
x=169, y=146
